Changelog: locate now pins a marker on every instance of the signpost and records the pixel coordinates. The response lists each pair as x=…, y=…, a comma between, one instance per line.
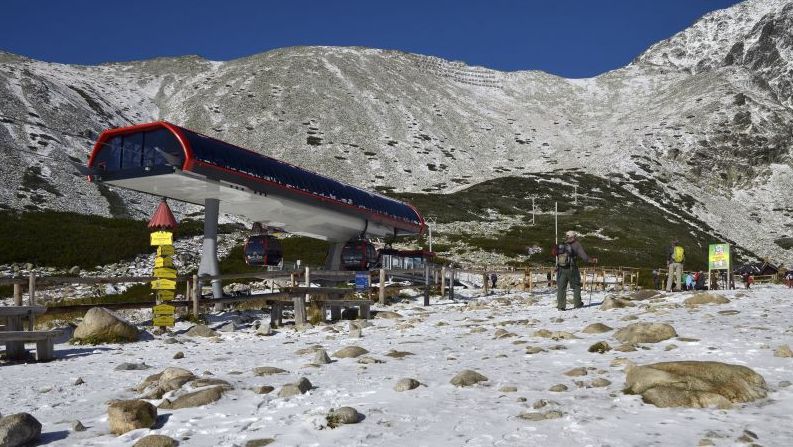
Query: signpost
x=165, y=285
x=163, y=315
x=361, y=281
x=719, y=258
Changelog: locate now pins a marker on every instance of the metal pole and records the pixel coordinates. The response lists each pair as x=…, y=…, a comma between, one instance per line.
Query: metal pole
x=209, y=254
x=729, y=266
x=426, y=284
x=533, y=211
x=429, y=228
x=32, y=288
x=556, y=222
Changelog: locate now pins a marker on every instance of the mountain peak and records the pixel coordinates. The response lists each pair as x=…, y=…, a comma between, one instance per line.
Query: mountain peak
x=706, y=43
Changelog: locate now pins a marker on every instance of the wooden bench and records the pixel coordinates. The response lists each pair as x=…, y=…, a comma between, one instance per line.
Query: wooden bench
x=45, y=350
x=15, y=336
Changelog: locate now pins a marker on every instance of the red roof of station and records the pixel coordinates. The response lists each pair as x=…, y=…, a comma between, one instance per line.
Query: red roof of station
x=163, y=217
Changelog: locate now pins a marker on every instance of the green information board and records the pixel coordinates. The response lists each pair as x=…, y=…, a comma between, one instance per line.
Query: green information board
x=719, y=257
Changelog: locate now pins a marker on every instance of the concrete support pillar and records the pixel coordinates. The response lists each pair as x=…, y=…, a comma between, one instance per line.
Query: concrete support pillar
x=209, y=254
x=333, y=261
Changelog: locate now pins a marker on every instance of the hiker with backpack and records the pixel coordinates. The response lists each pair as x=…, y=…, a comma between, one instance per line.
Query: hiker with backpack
x=675, y=256
x=567, y=255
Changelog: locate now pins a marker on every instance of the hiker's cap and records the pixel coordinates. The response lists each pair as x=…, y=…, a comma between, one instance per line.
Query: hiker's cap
x=570, y=234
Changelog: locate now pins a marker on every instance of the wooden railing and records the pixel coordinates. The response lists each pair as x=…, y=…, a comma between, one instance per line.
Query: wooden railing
x=595, y=277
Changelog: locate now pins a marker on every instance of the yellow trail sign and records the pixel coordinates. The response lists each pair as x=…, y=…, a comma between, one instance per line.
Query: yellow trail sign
x=165, y=295
x=165, y=250
x=163, y=261
x=164, y=272
x=163, y=284
x=162, y=238
x=163, y=315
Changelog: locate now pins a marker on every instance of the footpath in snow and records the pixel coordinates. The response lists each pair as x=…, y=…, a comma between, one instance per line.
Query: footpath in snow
x=499, y=336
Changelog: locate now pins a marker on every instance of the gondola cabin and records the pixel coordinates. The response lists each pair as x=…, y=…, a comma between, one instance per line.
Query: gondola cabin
x=392, y=259
x=358, y=255
x=262, y=250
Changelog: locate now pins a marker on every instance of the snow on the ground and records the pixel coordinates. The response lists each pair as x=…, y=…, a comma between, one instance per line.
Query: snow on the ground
x=438, y=414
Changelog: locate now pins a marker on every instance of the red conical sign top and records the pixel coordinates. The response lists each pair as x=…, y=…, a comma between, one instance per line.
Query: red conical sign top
x=163, y=217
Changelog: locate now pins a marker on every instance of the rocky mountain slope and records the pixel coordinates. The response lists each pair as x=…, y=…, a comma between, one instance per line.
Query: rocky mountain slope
x=702, y=123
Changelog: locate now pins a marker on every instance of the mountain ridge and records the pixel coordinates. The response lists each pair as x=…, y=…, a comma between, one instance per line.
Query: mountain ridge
x=715, y=138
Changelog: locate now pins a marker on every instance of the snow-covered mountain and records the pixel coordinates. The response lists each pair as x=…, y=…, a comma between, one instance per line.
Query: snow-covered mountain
x=706, y=117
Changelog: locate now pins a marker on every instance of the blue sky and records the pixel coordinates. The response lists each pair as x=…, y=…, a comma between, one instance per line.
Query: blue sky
x=572, y=38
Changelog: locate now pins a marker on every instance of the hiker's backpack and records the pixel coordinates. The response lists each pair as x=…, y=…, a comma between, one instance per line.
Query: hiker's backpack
x=564, y=255
x=678, y=254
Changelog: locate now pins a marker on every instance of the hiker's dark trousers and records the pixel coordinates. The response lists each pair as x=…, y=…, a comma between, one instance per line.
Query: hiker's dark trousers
x=564, y=276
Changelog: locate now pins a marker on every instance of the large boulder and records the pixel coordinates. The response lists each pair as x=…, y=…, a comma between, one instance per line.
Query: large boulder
x=597, y=328
x=268, y=371
x=643, y=294
x=406, y=384
x=18, y=430
x=705, y=298
x=695, y=384
x=128, y=415
x=201, y=330
x=645, y=333
x=342, y=416
x=302, y=386
x=156, y=441
x=101, y=325
x=467, y=377
x=169, y=379
x=195, y=399
x=350, y=352
x=612, y=302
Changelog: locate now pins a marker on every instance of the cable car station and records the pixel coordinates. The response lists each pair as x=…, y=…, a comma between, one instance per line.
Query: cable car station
x=166, y=160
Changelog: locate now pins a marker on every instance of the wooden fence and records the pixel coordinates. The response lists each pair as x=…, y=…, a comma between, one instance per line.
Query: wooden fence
x=591, y=277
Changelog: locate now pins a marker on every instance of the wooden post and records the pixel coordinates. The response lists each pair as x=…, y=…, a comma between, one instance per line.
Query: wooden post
x=364, y=311
x=300, y=310
x=293, y=281
x=32, y=289
x=300, y=302
x=32, y=292
x=382, y=287
x=17, y=294
x=451, y=284
x=196, y=295
x=15, y=350
x=426, y=284
x=484, y=284
x=308, y=282
x=443, y=281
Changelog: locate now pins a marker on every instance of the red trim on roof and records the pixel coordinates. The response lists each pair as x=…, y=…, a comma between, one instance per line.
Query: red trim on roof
x=110, y=133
